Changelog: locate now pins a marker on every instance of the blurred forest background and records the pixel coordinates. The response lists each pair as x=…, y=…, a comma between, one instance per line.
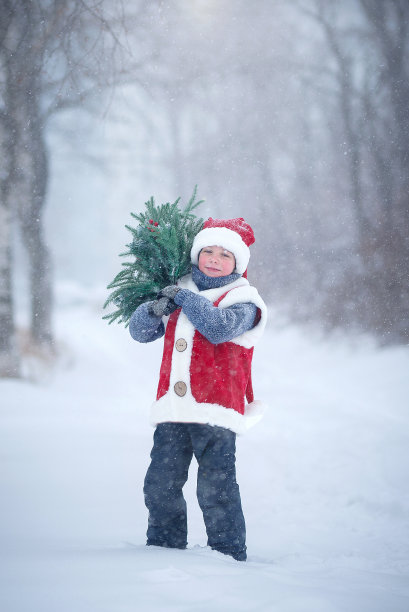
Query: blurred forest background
x=293, y=114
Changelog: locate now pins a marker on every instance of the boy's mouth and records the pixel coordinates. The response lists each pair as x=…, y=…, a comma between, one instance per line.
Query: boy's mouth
x=213, y=269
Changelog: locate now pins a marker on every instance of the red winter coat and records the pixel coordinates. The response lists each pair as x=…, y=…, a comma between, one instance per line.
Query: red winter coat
x=201, y=382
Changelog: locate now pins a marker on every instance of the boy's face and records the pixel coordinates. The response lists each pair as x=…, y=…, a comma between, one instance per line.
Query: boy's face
x=216, y=261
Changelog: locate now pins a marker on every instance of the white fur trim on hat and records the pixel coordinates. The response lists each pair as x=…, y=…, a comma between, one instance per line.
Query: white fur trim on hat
x=223, y=237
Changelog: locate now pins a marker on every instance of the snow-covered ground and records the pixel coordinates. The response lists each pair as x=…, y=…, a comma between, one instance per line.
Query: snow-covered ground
x=324, y=481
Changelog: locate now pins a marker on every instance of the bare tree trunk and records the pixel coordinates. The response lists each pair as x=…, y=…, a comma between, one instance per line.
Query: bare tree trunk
x=40, y=282
x=30, y=166
x=346, y=94
x=9, y=361
x=389, y=23
x=31, y=205
x=9, y=357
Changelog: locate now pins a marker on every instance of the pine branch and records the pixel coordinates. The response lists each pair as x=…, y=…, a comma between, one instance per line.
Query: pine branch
x=160, y=252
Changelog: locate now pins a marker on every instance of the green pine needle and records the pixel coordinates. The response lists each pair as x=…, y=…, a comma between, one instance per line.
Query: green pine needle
x=160, y=252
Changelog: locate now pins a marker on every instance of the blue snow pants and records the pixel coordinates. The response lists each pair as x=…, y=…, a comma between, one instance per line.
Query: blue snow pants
x=217, y=490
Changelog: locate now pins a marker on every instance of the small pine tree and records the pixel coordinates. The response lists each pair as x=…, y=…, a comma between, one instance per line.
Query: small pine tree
x=160, y=249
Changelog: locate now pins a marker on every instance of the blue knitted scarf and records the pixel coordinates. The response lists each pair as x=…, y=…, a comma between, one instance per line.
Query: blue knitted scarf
x=202, y=281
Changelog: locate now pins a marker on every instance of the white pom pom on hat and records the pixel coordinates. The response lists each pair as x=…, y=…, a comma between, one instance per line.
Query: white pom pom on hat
x=235, y=235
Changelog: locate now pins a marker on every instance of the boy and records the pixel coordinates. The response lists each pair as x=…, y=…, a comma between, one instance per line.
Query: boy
x=215, y=319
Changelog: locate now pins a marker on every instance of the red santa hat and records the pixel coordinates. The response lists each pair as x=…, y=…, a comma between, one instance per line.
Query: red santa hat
x=234, y=235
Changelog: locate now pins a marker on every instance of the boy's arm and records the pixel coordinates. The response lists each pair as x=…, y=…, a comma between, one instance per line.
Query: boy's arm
x=145, y=326
x=216, y=324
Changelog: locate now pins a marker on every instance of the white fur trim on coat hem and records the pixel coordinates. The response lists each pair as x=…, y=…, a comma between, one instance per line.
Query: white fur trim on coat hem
x=164, y=411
